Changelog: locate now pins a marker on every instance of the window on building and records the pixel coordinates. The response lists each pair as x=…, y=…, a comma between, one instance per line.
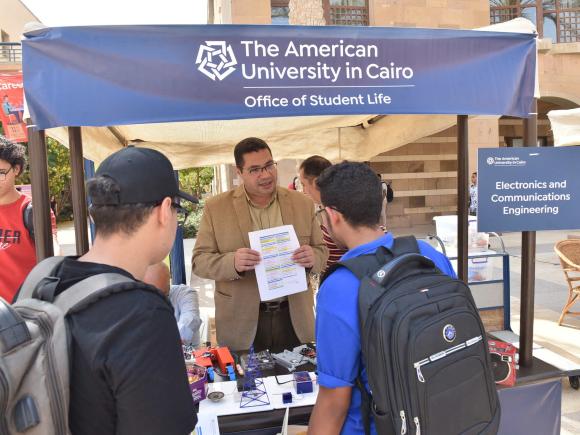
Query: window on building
x=347, y=12
x=280, y=11
x=5, y=50
x=517, y=142
x=558, y=20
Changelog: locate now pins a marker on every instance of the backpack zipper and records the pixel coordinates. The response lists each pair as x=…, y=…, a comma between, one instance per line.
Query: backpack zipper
x=443, y=354
x=403, y=422
x=417, y=425
x=3, y=404
x=58, y=414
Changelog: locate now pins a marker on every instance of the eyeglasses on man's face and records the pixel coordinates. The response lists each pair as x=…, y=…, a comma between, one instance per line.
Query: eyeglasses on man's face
x=254, y=171
x=182, y=212
x=4, y=173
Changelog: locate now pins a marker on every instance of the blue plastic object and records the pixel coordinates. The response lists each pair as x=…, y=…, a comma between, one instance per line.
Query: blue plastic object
x=210, y=374
x=231, y=373
x=286, y=398
x=303, y=383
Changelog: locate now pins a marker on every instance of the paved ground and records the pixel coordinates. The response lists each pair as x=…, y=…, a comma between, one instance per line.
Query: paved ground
x=550, y=296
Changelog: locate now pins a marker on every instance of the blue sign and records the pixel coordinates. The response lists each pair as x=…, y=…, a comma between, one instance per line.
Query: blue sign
x=114, y=75
x=528, y=189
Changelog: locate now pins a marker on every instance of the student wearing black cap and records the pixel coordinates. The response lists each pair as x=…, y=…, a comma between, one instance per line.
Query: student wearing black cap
x=127, y=369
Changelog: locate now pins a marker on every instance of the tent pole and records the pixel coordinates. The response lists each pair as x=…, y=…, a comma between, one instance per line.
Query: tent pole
x=40, y=193
x=79, y=201
x=528, y=261
x=90, y=173
x=177, y=256
x=462, y=196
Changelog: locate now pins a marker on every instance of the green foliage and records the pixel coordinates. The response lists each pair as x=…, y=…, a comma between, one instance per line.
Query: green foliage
x=193, y=219
x=196, y=181
x=59, y=176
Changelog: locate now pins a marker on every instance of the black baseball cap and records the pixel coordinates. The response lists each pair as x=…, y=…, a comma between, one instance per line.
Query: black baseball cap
x=144, y=176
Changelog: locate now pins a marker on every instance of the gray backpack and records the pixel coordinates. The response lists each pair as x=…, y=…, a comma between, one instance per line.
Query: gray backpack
x=34, y=348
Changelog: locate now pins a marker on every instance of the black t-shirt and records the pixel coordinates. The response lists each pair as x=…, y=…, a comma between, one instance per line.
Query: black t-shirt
x=127, y=373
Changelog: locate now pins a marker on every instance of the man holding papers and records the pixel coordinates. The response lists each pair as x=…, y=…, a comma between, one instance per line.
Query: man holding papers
x=222, y=253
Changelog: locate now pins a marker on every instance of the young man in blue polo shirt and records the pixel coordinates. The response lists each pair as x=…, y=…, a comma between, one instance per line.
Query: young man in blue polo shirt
x=352, y=198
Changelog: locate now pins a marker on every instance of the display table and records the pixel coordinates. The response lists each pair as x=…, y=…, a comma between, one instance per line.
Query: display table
x=525, y=409
x=532, y=406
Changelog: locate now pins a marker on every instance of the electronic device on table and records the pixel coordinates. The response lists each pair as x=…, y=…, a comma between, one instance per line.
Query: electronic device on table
x=207, y=357
x=289, y=359
x=503, y=362
x=263, y=360
x=308, y=351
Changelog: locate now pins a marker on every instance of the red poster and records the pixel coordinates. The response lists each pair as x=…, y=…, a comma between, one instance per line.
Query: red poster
x=12, y=107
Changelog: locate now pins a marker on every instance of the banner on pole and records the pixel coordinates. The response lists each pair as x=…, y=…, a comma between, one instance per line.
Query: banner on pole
x=105, y=75
x=12, y=102
x=528, y=189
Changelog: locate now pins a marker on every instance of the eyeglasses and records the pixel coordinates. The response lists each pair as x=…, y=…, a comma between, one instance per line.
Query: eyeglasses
x=182, y=213
x=4, y=173
x=257, y=170
x=323, y=214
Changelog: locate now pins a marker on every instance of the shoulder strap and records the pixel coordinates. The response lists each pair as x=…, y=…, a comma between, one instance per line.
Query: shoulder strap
x=365, y=405
x=405, y=245
x=91, y=289
x=42, y=272
x=359, y=266
x=363, y=265
x=27, y=219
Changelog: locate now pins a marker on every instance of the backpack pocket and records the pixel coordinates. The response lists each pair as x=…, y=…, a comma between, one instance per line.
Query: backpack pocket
x=384, y=422
x=453, y=390
x=450, y=383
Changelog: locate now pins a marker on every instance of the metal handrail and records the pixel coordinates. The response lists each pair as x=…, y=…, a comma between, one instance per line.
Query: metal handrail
x=10, y=52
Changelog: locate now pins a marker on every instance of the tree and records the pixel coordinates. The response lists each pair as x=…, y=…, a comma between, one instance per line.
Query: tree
x=196, y=181
x=59, y=176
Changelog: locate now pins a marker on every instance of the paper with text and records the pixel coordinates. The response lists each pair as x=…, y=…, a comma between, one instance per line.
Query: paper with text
x=277, y=274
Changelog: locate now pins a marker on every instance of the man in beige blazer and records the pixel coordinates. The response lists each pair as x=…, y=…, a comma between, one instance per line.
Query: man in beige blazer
x=222, y=253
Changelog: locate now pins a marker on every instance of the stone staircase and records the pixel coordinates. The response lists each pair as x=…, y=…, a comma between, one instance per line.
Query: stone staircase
x=424, y=179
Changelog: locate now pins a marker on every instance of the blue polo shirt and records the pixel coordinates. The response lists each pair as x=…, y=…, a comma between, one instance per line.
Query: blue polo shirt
x=337, y=328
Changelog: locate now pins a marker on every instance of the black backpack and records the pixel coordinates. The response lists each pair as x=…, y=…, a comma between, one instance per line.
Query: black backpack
x=27, y=218
x=424, y=347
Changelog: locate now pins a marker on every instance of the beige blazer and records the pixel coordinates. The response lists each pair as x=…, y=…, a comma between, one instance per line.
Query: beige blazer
x=224, y=228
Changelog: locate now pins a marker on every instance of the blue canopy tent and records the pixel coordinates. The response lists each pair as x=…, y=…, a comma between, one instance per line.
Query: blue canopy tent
x=115, y=77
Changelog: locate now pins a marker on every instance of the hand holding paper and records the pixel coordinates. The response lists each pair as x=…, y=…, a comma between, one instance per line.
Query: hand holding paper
x=281, y=271
x=304, y=256
x=246, y=259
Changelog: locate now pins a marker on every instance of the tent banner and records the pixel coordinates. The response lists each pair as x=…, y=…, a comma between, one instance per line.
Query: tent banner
x=116, y=75
x=528, y=189
x=11, y=115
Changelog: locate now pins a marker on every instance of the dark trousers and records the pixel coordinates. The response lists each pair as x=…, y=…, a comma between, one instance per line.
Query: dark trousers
x=275, y=331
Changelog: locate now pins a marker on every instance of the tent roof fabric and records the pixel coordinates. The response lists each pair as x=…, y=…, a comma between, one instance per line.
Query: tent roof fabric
x=565, y=126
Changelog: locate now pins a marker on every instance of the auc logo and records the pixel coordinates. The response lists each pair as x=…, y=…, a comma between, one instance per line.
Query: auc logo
x=216, y=60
